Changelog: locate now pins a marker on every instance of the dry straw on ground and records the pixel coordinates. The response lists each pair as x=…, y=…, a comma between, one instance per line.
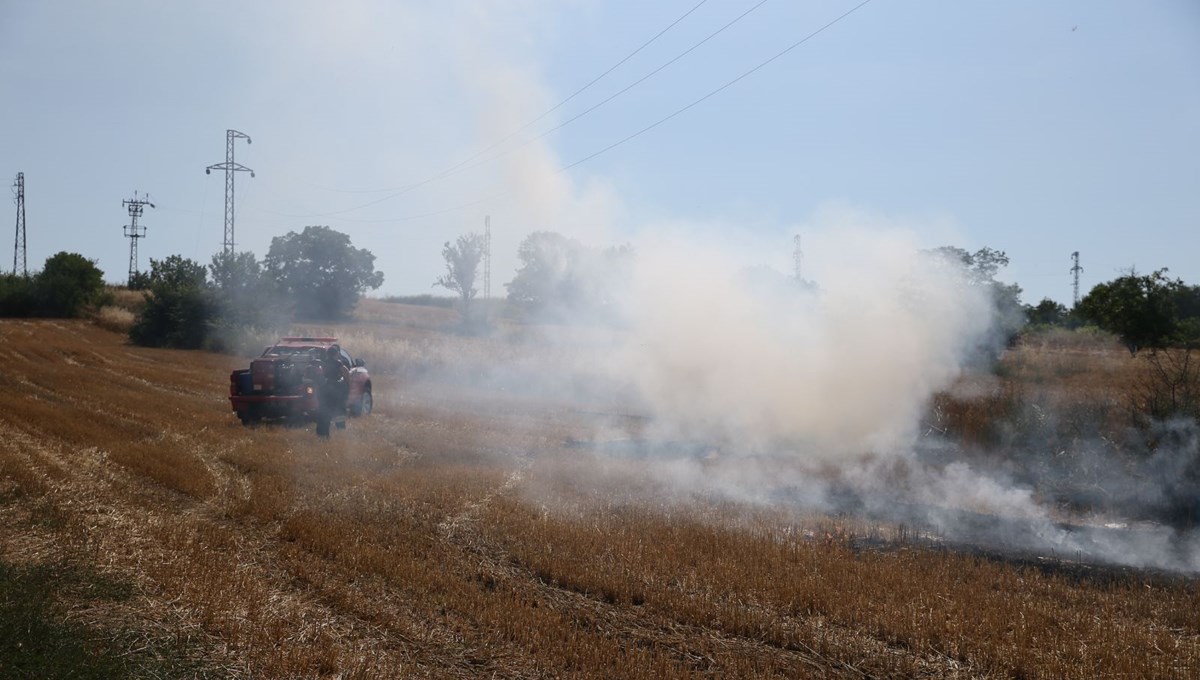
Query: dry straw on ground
x=453, y=533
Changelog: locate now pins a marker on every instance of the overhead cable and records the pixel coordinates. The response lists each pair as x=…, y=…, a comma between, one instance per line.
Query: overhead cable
x=713, y=93
x=533, y=121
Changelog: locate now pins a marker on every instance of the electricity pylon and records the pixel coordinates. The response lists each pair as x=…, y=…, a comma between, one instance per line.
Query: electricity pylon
x=230, y=167
x=133, y=231
x=19, y=260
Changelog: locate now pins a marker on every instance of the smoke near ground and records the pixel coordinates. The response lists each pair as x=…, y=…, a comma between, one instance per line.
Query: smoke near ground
x=744, y=382
x=761, y=365
x=734, y=382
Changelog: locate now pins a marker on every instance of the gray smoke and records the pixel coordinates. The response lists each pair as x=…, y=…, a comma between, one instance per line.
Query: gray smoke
x=818, y=398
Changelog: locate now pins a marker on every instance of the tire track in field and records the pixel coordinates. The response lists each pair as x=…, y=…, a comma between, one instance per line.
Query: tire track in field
x=699, y=645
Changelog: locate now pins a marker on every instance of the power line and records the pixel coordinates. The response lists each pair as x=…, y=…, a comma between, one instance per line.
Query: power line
x=595, y=106
x=610, y=147
x=639, y=81
x=536, y=119
x=713, y=93
x=629, y=56
x=464, y=163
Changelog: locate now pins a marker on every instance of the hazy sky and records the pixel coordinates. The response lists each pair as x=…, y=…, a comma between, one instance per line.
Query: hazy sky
x=1038, y=128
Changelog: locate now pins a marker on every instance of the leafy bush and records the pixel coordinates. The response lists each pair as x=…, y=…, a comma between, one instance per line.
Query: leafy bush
x=179, y=309
x=248, y=304
x=560, y=278
x=68, y=284
x=17, y=295
x=1046, y=313
x=139, y=281
x=1142, y=310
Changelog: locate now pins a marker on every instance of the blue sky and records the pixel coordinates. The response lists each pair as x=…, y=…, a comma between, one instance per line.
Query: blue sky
x=1032, y=127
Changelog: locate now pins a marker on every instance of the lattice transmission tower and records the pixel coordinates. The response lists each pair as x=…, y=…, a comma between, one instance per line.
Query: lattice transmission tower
x=134, y=231
x=1075, y=270
x=19, y=259
x=487, y=257
x=797, y=258
x=230, y=167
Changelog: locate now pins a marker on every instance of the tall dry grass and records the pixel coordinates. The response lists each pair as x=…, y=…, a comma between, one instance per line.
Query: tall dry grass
x=113, y=318
x=124, y=298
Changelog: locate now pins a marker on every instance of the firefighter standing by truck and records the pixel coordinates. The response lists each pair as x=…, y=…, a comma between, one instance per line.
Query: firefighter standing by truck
x=332, y=392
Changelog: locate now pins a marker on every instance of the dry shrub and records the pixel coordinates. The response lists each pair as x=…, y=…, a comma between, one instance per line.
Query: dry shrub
x=123, y=298
x=1042, y=390
x=1087, y=338
x=114, y=318
x=1169, y=386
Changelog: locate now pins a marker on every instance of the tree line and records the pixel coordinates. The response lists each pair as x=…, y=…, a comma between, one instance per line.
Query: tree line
x=318, y=274
x=1146, y=311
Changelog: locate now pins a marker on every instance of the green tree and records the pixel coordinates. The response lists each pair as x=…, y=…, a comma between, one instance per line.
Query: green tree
x=1187, y=308
x=320, y=273
x=1047, y=313
x=244, y=297
x=462, y=265
x=67, y=283
x=17, y=295
x=1187, y=301
x=1141, y=310
x=547, y=272
x=139, y=281
x=980, y=269
x=179, y=310
x=560, y=276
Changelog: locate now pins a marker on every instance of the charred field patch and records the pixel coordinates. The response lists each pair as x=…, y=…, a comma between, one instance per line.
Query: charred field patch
x=462, y=531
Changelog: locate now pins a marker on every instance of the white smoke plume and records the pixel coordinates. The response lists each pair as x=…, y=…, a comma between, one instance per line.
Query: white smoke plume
x=755, y=387
x=838, y=371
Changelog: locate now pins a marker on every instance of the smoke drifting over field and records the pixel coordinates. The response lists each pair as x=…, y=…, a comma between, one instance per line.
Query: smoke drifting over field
x=775, y=392
x=758, y=388
x=728, y=357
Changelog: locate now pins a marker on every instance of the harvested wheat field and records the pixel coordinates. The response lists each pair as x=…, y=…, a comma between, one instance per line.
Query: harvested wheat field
x=471, y=529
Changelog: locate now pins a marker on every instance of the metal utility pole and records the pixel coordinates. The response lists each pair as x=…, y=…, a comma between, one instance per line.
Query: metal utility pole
x=487, y=257
x=230, y=167
x=19, y=260
x=1075, y=269
x=132, y=231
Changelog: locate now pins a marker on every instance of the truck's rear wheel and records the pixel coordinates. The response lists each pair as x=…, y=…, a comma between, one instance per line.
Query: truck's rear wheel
x=364, y=405
x=250, y=416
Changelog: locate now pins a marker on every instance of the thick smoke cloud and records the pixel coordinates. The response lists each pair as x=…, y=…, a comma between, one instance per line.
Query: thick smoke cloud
x=762, y=389
x=840, y=370
x=748, y=385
